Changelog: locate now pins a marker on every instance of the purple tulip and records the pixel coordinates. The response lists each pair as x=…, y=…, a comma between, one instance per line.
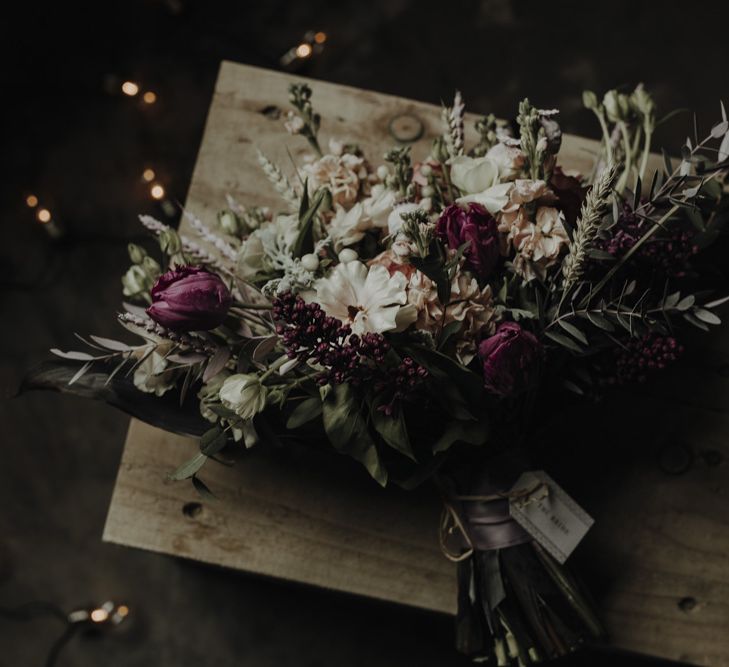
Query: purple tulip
x=511, y=359
x=474, y=224
x=189, y=298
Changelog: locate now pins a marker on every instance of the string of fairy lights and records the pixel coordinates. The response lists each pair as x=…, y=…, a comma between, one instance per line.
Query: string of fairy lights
x=311, y=45
x=109, y=614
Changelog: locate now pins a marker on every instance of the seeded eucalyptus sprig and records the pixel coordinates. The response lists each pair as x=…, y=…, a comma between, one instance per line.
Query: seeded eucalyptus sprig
x=488, y=137
x=300, y=98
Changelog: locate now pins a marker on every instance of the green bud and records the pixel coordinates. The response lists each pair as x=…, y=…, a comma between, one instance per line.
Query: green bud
x=439, y=150
x=169, y=242
x=151, y=267
x=135, y=281
x=136, y=253
x=642, y=102
x=589, y=100
x=229, y=222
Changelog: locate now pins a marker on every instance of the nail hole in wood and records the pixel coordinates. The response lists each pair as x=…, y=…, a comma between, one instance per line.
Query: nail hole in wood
x=192, y=510
x=712, y=458
x=675, y=458
x=272, y=112
x=687, y=604
x=723, y=370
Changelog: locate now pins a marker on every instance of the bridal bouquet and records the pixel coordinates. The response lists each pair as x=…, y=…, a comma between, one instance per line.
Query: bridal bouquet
x=418, y=316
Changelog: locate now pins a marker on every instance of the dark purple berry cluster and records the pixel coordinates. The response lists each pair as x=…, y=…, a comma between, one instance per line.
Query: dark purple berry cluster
x=400, y=382
x=670, y=252
x=640, y=357
x=309, y=334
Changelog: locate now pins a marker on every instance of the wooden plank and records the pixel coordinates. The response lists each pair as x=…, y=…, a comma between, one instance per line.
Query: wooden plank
x=660, y=539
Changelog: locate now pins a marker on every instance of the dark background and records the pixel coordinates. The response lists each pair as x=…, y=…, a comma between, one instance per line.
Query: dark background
x=71, y=138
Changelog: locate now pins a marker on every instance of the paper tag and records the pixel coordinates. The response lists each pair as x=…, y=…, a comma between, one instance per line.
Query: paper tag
x=548, y=514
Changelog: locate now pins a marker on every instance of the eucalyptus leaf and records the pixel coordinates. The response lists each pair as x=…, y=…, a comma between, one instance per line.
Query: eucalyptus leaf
x=573, y=330
x=707, y=316
x=686, y=302
x=564, y=341
x=110, y=344
x=189, y=468
x=73, y=355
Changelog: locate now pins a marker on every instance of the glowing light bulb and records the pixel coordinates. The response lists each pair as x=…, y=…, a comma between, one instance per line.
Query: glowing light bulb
x=303, y=50
x=148, y=175
x=31, y=201
x=130, y=88
x=157, y=191
x=149, y=97
x=44, y=215
x=99, y=615
x=122, y=611
x=320, y=37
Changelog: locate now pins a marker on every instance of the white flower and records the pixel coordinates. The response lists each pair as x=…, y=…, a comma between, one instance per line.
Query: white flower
x=509, y=160
x=348, y=227
x=473, y=174
x=244, y=394
x=369, y=300
x=293, y=123
x=493, y=199
x=378, y=205
x=152, y=377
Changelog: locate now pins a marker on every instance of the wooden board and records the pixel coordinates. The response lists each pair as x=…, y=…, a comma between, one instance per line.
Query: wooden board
x=659, y=546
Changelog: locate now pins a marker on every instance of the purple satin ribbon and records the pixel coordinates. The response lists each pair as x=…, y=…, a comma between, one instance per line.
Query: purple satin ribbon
x=490, y=525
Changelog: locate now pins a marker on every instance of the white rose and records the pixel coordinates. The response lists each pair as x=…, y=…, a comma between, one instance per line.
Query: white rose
x=250, y=257
x=509, y=159
x=348, y=227
x=471, y=175
x=244, y=394
x=493, y=199
x=378, y=205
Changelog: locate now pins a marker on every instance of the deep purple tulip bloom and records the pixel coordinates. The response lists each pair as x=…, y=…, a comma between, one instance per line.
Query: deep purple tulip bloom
x=474, y=224
x=511, y=359
x=189, y=298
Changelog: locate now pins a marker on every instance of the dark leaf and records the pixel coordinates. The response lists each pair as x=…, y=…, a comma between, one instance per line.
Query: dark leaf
x=213, y=440
x=347, y=430
x=189, y=468
x=161, y=411
x=393, y=430
x=217, y=363
x=564, y=341
x=202, y=488
x=471, y=432
x=573, y=330
x=308, y=409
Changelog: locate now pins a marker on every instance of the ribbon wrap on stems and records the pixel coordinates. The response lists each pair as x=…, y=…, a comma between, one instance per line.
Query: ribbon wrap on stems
x=516, y=604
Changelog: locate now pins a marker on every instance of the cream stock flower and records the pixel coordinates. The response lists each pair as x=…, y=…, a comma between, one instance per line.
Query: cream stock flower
x=340, y=173
x=538, y=244
x=368, y=299
x=470, y=305
x=244, y=394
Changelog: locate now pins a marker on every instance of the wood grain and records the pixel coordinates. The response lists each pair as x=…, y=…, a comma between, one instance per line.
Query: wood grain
x=659, y=549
